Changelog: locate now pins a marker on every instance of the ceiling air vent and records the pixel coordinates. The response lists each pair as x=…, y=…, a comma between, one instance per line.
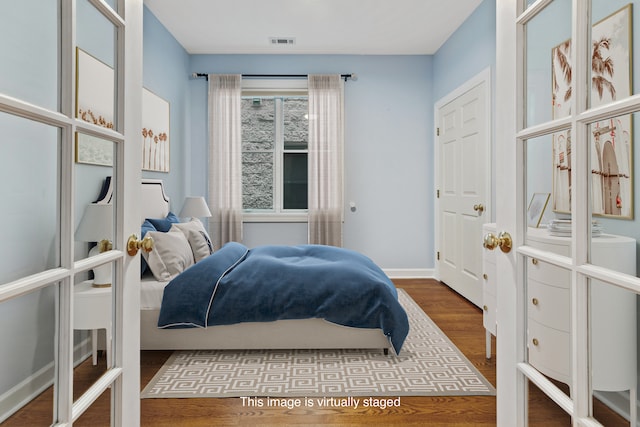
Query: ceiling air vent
x=282, y=41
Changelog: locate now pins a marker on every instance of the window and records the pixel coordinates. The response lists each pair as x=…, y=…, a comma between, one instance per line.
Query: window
x=274, y=153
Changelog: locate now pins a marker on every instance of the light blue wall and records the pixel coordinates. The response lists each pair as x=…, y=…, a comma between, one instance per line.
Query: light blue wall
x=470, y=50
x=166, y=74
x=388, y=149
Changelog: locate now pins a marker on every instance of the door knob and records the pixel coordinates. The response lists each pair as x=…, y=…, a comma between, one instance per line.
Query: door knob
x=478, y=208
x=503, y=240
x=133, y=244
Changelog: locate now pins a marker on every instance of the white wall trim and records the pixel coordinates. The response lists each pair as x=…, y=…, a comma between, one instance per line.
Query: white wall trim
x=25, y=391
x=618, y=401
x=410, y=273
x=482, y=76
x=28, y=389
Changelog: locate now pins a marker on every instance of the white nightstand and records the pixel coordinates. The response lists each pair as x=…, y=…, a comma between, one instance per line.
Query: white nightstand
x=92, y=311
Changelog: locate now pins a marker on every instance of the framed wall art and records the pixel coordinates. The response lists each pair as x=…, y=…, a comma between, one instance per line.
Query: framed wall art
x=536, y=209
x=155, y=132
x=94, y=104
x=611, y=140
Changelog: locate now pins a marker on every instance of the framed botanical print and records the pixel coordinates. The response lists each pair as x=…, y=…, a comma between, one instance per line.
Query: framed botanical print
x=155, y=132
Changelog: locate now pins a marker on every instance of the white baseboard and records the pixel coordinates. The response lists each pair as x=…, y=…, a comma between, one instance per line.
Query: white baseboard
x=410, y=273
x=618, y=401
x=28, y=389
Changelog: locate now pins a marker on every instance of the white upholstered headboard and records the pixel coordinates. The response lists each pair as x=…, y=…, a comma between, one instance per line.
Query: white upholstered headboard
x=154, y=202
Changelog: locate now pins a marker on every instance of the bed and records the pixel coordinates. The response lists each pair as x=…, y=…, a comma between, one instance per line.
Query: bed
x=298, y=333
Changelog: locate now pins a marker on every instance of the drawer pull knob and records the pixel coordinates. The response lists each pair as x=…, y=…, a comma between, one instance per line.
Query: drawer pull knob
x=535, y=342
x=485, y=308
x=534, y=261
x=534, y=301
x=484, y=276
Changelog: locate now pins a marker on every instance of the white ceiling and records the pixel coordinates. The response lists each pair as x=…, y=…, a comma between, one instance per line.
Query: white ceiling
x=366, y=27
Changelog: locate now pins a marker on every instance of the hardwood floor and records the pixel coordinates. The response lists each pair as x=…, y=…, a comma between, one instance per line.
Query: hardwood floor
x=458, y=318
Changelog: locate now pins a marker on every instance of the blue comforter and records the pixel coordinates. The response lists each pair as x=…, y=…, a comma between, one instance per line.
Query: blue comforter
x=268, y=283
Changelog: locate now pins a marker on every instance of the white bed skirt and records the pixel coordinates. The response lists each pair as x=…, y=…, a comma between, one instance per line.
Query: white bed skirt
x=282, y=334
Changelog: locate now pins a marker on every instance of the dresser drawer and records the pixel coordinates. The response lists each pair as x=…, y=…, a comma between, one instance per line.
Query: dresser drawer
x=489, y=312
x=548, y=274
x=489, y=278
x=549, y=351
x=549, y=305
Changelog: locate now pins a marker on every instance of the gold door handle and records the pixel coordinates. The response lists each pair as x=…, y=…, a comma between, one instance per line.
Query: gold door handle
x=534, y=301
x=503, y=240
x=535, y=342
x=478, y=208
x=133, y=244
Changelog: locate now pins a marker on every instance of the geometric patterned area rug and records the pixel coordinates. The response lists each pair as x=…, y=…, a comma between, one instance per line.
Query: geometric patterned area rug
x=428, y=365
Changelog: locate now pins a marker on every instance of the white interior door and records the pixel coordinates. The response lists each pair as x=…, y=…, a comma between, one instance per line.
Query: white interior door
x=464, y=180
x=55, y=160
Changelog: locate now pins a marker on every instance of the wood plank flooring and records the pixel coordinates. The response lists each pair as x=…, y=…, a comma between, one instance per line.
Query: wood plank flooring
x=459, y=319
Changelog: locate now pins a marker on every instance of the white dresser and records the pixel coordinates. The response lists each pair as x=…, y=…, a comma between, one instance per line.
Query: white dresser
x=613, y=311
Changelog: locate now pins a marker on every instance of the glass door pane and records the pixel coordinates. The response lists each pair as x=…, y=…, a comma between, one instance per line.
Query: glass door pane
x=543, y=412
x=613, y=354
x=96, y=61
x=29, y=323
x=99, y=414
x=547, y=59
x=612, y=52
x=93, y=326
x=30, y=190
x=30, y=65
x=94, y=213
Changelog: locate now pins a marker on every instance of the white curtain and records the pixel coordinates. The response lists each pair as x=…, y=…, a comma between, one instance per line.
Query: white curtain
x=225, y=158
x=325, y=159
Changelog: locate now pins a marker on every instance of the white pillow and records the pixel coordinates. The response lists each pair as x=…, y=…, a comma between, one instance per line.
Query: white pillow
x=197, y=236
x=170, y=256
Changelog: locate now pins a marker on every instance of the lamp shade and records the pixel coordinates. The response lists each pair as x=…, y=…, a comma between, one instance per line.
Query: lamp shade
x=195, y=207
x=96, y=223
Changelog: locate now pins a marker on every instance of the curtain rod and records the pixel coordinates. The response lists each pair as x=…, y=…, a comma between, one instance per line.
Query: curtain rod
x=346, y=77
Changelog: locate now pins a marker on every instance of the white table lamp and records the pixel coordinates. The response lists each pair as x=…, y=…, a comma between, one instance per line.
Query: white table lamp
x=195, y=207
x=97, y=226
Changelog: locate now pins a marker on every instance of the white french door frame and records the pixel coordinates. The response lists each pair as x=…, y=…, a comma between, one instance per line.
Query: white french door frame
x=513, y=372
x=123, y=376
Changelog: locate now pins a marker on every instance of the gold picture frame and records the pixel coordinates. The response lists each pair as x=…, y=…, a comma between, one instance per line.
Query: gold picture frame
x=536, y=208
